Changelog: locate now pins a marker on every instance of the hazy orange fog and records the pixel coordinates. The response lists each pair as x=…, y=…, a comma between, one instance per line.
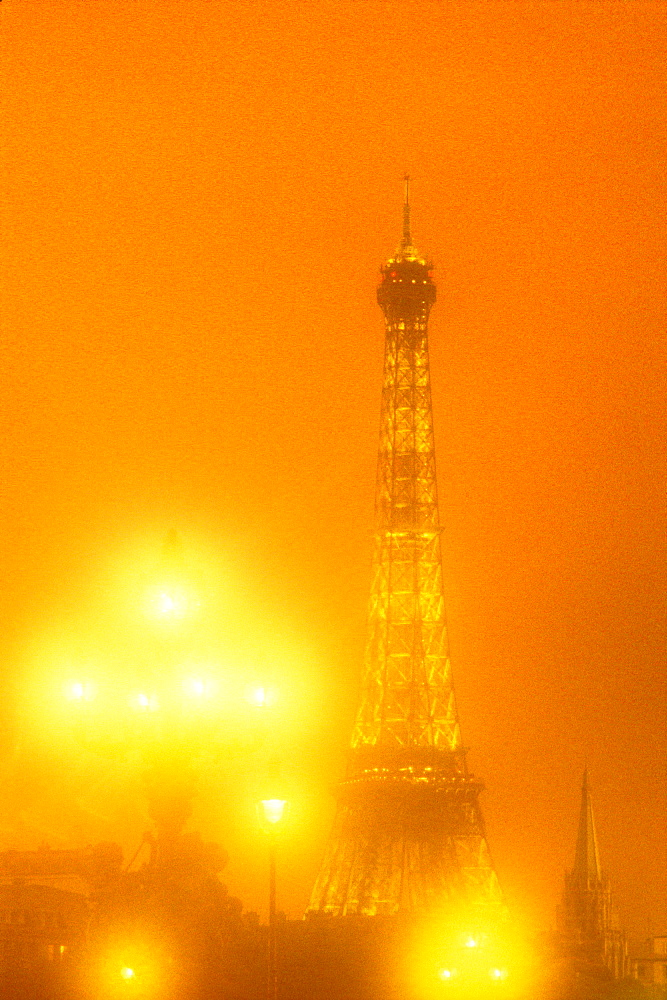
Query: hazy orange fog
x=198, y=198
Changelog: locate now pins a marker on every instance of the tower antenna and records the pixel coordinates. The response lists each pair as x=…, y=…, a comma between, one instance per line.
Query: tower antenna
x=407, y=239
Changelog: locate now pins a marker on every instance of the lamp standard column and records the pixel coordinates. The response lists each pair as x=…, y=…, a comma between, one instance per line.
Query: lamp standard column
x=272, y=812
x=272, y=990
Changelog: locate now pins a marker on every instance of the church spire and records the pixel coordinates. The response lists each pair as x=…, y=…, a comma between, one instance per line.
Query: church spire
x=586, y=857
x=590, y=937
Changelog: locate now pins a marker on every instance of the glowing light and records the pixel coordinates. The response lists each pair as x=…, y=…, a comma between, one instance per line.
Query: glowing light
x=467, y=958
x=132, y=968
x=260, y=696
x=170, y=603
x=195, y=687
x=145, y=702
x=80, y=691
x=166, y=604
x=274, y=810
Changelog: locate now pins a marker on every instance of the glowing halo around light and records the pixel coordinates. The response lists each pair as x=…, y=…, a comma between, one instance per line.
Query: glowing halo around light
x=274, y=810
x=260, y=696
x=170, y=603
x=143, y=702
x=197, y=688
x=80, y=691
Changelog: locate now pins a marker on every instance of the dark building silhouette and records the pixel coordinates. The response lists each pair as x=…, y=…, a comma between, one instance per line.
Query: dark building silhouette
x=590, y=939
x=42, y=940
x=648, y=964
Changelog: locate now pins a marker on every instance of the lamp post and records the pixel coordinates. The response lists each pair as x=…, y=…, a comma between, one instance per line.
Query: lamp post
x=168, y=724
x=273, y=812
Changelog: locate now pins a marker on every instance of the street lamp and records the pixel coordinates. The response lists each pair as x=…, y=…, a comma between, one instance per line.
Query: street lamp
x=273, y=811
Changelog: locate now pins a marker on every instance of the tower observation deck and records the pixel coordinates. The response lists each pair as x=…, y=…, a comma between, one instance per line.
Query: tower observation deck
x=408, y=835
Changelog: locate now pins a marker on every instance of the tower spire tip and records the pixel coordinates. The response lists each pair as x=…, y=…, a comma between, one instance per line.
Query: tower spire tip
x=407, y=239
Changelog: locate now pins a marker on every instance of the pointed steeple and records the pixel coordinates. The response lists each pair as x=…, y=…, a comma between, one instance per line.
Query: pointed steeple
x=586, y=857
x=590, y=932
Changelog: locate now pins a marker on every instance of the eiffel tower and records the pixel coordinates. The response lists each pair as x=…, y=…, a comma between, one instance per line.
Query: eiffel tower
x=408, y=836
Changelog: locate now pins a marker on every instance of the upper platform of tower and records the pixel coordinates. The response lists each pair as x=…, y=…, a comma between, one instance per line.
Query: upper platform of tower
x=406, y=277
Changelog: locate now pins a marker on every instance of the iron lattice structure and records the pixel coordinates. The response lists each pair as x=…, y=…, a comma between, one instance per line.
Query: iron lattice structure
x=408, y=833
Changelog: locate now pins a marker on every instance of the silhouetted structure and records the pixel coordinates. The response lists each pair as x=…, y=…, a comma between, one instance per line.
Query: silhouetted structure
x=90, y=865
x=42, y=937
x=43, y=928
x=648, y=964
x=176, y=926
x=590, y=937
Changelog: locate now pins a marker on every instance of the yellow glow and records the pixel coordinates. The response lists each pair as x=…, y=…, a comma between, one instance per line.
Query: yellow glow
x=138, y=666
x=261, y=697
x=195, y=687
x=143, y=702
x=473, y=955
x=122, y=967
x=170, y=602
x=199, y=688
x=80, y=691
x=274, y=810
x=166, y=605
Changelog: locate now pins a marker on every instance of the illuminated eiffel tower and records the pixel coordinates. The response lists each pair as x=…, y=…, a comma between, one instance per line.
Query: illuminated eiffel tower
x=408, y=835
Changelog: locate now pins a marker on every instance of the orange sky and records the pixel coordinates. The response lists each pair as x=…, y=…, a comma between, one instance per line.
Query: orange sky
x=199, y=195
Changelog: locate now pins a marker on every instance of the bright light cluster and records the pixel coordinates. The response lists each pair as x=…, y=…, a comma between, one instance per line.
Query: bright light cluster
x=193, y=690
x=494, y=973
x=466, y=957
